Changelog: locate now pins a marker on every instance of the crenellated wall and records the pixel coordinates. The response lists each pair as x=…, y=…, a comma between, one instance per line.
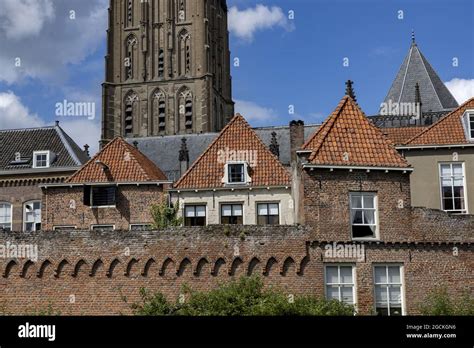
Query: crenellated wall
x=101, y=273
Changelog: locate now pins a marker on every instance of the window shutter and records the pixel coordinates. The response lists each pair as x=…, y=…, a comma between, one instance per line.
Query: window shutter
x=87, y=196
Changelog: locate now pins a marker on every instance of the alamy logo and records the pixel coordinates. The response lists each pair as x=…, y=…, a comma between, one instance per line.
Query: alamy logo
x=344, y=251
x=84, y=109
x=19, y=251
x=37, y=331
x=229, y=155
x=400, y=109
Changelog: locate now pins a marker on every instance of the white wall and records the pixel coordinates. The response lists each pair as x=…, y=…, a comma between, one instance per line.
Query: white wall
x=248, y=198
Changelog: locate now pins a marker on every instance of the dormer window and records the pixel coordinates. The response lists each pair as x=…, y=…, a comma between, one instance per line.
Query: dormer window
x=41, y=159
x=236, y=173
x=470, y=117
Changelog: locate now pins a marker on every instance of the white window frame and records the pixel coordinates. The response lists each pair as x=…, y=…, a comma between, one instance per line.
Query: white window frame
x=39, y=153
x=61, y=227
x=11, y=214
x=247, y=178
x=470, y=130
x=339, y=284
x=402, y=285
x=103, y=226
x=24, y=213
x=466, y=210
x=376, y=214
x=278, y=203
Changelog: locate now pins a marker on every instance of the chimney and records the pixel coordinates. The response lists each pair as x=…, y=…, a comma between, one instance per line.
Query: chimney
x=274, y=147
x=183, y=157
x=135, y=144
x=296, y=139
x=86, y=150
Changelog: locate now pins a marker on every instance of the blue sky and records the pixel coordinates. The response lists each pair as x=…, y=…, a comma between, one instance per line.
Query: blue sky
x=283, y=61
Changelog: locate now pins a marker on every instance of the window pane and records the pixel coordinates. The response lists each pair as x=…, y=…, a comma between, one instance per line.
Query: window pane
x=369, y=202
x=380, y=274
x=273, y=220
x=201, y=211
x=347, y=294
x=346, y=274
x=457, y=170
x=262, y=209
x=395, y=294
x=394, y=274
x=226, y=210
x=363, y=231
x=447, y=192
x=458, y=204
x=356, y=201
x=273, y=209
x=369, y=217
x=445, y=170
x=332, y=292
x=381, y=294
x=357, y=217
x=262, y=220
x=332, y=275
x=448, y=204
x=237, y=210
x=190, y=211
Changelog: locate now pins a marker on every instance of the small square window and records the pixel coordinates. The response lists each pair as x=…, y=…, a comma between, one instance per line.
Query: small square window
x=195, y=215
x=103, y=196
x=236, y=173
x=41, y=159
x=268, y=214
x=471, y=125
x=231, y=214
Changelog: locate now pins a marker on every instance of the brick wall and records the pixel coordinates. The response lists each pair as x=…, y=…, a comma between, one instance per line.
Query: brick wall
x=85, y=272
x=63, y=206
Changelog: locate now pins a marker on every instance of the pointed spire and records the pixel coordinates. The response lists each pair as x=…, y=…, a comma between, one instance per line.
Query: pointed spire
x=350, y=90
x=413, y=37
x=274, y=146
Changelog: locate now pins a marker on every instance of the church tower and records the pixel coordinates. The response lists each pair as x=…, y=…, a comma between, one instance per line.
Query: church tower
x=167, y=68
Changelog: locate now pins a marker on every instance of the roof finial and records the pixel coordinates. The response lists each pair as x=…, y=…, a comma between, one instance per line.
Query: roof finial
x=274, y=146
x=350, y=90
x=413, y=37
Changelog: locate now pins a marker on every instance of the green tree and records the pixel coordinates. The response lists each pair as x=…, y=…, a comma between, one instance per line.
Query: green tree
x=438, y=302
x=165, y=214
x=245, y=297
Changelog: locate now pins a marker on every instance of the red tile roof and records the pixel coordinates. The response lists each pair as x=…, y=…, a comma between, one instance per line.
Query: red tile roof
x=400, y=135
x=208, y=170
x=447, y=131
x=348, y=138
x=125, y=164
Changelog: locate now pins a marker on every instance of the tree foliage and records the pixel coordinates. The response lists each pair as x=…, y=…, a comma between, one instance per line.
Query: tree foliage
x=439, y=302
x=165, y=214
x=245, y=297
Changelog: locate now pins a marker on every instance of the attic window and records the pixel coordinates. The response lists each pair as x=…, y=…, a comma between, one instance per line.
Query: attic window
x=236, y=173
x=41, y=159
x=470, y=118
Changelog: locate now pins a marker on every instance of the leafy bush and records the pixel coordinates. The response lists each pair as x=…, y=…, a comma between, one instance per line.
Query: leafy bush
x=245, y=297
x=438, y=302
x=165, y=215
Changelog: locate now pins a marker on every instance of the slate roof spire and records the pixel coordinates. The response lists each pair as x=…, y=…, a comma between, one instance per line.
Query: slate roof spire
x=417, y=69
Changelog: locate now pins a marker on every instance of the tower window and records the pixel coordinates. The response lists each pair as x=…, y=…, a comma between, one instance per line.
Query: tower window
x=161, y=63
x=129, y=12
x=186, y=110
x=130, y=57
x=130, y=107
x=182, y=11
x=159, y=112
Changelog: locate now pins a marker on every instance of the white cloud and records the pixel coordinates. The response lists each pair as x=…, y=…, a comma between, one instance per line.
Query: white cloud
x=13, y=114
x=42, y=36
x=245, y=23
x=461, y=89
x=24, y=18
x=254, y=112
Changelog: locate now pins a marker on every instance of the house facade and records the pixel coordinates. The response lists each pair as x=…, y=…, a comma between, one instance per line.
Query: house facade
x=113, y=191
x=29, y=158
x=237, y=180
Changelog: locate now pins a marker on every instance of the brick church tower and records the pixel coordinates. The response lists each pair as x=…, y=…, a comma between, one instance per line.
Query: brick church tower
x=167, y=68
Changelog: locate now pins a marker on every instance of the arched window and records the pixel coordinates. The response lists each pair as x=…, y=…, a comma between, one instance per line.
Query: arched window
x=184, y=51
x=129, y=13
x=181, y=10
x=5, y=216
x=32, y=216
x=131, y=114
x=185, y=110
x=159, y=112
x=131, y=57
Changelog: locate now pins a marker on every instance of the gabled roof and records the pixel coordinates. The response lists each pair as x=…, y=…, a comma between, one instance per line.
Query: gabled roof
x=348, y=138
x=447, y=131
x=65, y=152
x=208, y=170
x=400, y=135
x=125, y=164
x=435, y=96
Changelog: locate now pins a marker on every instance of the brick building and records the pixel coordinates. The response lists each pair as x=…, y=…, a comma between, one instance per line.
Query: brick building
x=30, y=157
x=114, y=190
